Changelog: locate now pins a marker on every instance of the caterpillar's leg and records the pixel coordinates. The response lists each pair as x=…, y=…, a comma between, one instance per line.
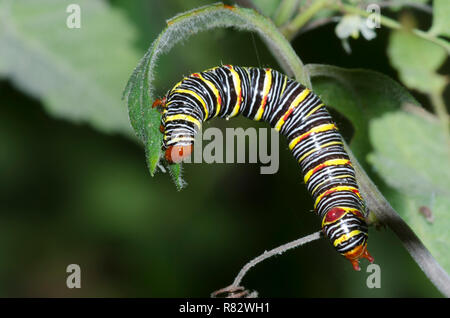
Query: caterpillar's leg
x=160, y=105
x=356, y=254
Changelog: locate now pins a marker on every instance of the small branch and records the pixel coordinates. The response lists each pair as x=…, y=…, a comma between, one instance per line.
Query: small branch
x=387, y=22
x=419, y=6
x=441, y=111
x=234, y=292
x=301, y=19
x=421, y=112
x=292, y=29
x=267, y=254
x=285, y=11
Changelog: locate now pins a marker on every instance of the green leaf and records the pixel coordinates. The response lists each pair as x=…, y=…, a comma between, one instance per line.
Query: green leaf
x=139, y=92
x=176, y=172
x=441, y=18
x=360, y=95
x=77, y=73
x=409, y=154
x=417, y=60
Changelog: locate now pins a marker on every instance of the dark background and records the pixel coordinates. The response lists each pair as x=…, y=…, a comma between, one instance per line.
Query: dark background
x=70, y=194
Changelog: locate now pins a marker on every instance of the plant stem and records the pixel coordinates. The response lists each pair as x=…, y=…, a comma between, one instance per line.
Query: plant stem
x=285, y=11
x=419, y=6
x=439, y=108
x=278, y=250
x=300, y=20
x=387, y=22
x=291, y=29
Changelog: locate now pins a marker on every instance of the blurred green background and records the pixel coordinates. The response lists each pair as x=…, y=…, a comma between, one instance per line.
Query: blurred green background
x=71, y=194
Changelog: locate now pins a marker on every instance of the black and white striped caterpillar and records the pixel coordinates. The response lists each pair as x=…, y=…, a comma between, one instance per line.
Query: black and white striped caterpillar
x=294, y=111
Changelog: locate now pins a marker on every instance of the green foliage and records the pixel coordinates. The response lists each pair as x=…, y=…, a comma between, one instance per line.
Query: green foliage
x=176, y=172
x=77, y=73
x=441, y=21
x=409, y=154
x=360, y=95
x=417, y=61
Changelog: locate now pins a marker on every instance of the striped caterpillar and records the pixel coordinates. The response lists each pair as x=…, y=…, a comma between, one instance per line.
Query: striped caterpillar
x=294, y=111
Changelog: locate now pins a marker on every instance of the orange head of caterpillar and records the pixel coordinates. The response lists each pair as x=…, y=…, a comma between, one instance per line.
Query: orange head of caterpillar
x=176, y=153
x=347, y=231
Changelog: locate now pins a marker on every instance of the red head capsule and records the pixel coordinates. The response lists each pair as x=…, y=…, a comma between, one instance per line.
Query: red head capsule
x=176, y=154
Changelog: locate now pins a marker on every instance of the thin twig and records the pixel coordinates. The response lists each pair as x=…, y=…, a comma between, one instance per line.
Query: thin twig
x=419, y=6
x=236, y=291
x=278, y=250
x=421, y=112
x=440, y=109
x=392, y=24
x=301, y=19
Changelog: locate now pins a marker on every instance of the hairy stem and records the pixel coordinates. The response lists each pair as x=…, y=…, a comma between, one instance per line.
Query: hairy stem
x=278, y=250
x=293, y=28
x=285, y=11
x=300, y=20
x=387, y=22
x=419, y=6
x=439, y=108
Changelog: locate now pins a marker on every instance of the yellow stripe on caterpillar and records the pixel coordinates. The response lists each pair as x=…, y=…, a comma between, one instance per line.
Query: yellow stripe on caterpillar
x=237, y=88
x=328, y=163
x=215, y=91
x=197, y=96
x=284, y=85
x=346, y=237
x=320, y=128
x=178, y=139
x=329, y=180
x=265, y=93
x=335, y=189
x=185, y=117
x=314, y=110
x=297, y=101
x=317, y=149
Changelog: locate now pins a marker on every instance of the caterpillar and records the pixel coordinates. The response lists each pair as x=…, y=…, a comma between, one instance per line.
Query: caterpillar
x=295, y=112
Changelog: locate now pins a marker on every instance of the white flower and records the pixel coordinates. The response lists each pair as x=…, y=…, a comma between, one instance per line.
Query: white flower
x=352, y=25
